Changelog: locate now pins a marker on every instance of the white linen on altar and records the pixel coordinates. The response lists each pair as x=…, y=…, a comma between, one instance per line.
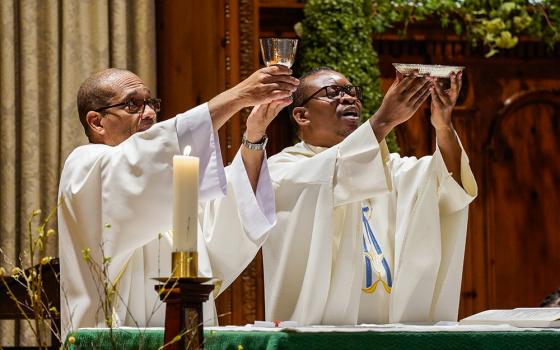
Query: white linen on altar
x=313, y=260
x=391, y=327
x=120, y=198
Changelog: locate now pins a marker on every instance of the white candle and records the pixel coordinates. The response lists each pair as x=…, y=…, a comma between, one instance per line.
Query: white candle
x=185, y=202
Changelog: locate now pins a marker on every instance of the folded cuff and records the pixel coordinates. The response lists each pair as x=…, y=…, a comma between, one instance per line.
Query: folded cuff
x=452, y=196
x=257, y=212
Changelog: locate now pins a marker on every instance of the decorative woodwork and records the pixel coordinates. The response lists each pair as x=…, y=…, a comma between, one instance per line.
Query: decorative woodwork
x=183, y=298
x=244, y=300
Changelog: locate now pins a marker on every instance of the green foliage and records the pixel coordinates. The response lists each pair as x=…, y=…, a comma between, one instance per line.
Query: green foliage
x=496, y=24
x=337, y=33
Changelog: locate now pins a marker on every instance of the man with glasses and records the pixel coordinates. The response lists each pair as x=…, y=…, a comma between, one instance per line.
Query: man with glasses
x=364, y=236
x=116, y=193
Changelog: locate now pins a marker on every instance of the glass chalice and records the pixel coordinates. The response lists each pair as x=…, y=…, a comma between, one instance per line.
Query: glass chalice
x=278, y=51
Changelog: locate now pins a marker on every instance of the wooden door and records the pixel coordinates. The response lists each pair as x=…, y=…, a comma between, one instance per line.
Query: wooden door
x=523, y=183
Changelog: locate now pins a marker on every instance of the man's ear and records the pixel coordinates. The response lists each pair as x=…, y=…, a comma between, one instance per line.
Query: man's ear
x=93, y=120
x=300, y=117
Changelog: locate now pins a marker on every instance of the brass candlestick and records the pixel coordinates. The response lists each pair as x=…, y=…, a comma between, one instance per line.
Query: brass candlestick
x=183, y=293
x=184, y=264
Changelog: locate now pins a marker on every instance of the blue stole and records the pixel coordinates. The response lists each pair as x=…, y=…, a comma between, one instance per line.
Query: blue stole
x=373, y=276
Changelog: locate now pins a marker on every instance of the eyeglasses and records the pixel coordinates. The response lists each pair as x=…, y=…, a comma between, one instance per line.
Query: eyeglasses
x=333, y=91
x=136, y=105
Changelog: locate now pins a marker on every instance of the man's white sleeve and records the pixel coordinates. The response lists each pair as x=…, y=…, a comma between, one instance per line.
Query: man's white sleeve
x=194, y=128
x=257, y=211
x=235, y=226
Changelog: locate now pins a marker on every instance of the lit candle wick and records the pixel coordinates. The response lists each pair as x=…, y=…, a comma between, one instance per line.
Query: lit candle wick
x=187, y=151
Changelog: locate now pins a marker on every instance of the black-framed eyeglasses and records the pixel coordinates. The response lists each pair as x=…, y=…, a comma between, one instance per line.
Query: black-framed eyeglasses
x=135, y=105
x=333, y=91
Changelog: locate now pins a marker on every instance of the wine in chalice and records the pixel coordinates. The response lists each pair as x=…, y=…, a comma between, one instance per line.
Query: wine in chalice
x=278, y=51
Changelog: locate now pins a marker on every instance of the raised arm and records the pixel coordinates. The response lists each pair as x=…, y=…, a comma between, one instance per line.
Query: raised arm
x=404, y=98
x=257, y=122
x=446, y=138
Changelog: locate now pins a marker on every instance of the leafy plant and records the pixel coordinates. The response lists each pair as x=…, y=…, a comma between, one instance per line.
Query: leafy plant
x=36, y=308
x=497, y=24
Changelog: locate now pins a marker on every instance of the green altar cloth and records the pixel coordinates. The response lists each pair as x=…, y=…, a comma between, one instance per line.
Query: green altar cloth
x=119, y=338
x=384, y=340
x=236, y=340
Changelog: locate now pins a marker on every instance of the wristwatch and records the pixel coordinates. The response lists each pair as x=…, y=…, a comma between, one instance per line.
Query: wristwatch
x=257, y=146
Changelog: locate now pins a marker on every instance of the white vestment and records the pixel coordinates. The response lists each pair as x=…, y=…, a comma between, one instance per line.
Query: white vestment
x=314, y=256
x=129, y=188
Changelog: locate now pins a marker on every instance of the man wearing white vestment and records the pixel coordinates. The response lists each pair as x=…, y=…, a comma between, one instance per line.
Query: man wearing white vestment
x=116, y=193
x=365, y=236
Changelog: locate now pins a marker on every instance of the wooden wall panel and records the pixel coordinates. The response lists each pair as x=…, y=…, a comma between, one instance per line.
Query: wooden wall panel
x=190, y=53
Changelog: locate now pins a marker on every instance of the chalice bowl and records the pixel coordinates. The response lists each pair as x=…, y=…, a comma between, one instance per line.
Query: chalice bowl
x=278, y=51
x=442, y=73
x=433, y=70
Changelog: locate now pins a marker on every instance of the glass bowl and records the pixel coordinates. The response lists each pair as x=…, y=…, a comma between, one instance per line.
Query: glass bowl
x=434, y=70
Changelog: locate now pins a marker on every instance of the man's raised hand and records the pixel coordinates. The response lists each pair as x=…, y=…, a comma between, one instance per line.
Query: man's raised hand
x=402, y=100
x=262, y=87
x=257, y=122
x=443, y=101
x=266, y=85
x=261, y=116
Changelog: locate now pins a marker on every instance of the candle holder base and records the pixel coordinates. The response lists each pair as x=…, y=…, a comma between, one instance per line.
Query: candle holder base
x=184, y=264
x=172, y=279
x=183, y=297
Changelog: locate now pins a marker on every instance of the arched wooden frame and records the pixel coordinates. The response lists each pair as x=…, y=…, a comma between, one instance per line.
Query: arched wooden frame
x=515, y=102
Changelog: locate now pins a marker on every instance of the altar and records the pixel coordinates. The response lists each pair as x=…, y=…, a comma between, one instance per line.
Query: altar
x=328, y=337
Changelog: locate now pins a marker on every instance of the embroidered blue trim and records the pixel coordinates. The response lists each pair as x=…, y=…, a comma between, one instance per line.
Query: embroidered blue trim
x=378, y=250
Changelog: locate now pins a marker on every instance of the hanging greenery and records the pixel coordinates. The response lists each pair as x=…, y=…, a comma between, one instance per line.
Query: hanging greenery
x=497, y=24
x=337, y=33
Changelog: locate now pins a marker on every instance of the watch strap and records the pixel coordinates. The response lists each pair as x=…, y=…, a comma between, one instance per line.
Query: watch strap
x=255, y=146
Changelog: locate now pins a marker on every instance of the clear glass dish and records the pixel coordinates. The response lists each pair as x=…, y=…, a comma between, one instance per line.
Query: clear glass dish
x=434, y=70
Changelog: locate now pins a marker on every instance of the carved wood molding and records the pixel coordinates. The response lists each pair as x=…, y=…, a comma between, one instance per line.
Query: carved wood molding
x=248, y=46
x=247, y=42
x=526, y=97
x=248, y=63
x=242, y=302
x=519, y=100
x=249, y=288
